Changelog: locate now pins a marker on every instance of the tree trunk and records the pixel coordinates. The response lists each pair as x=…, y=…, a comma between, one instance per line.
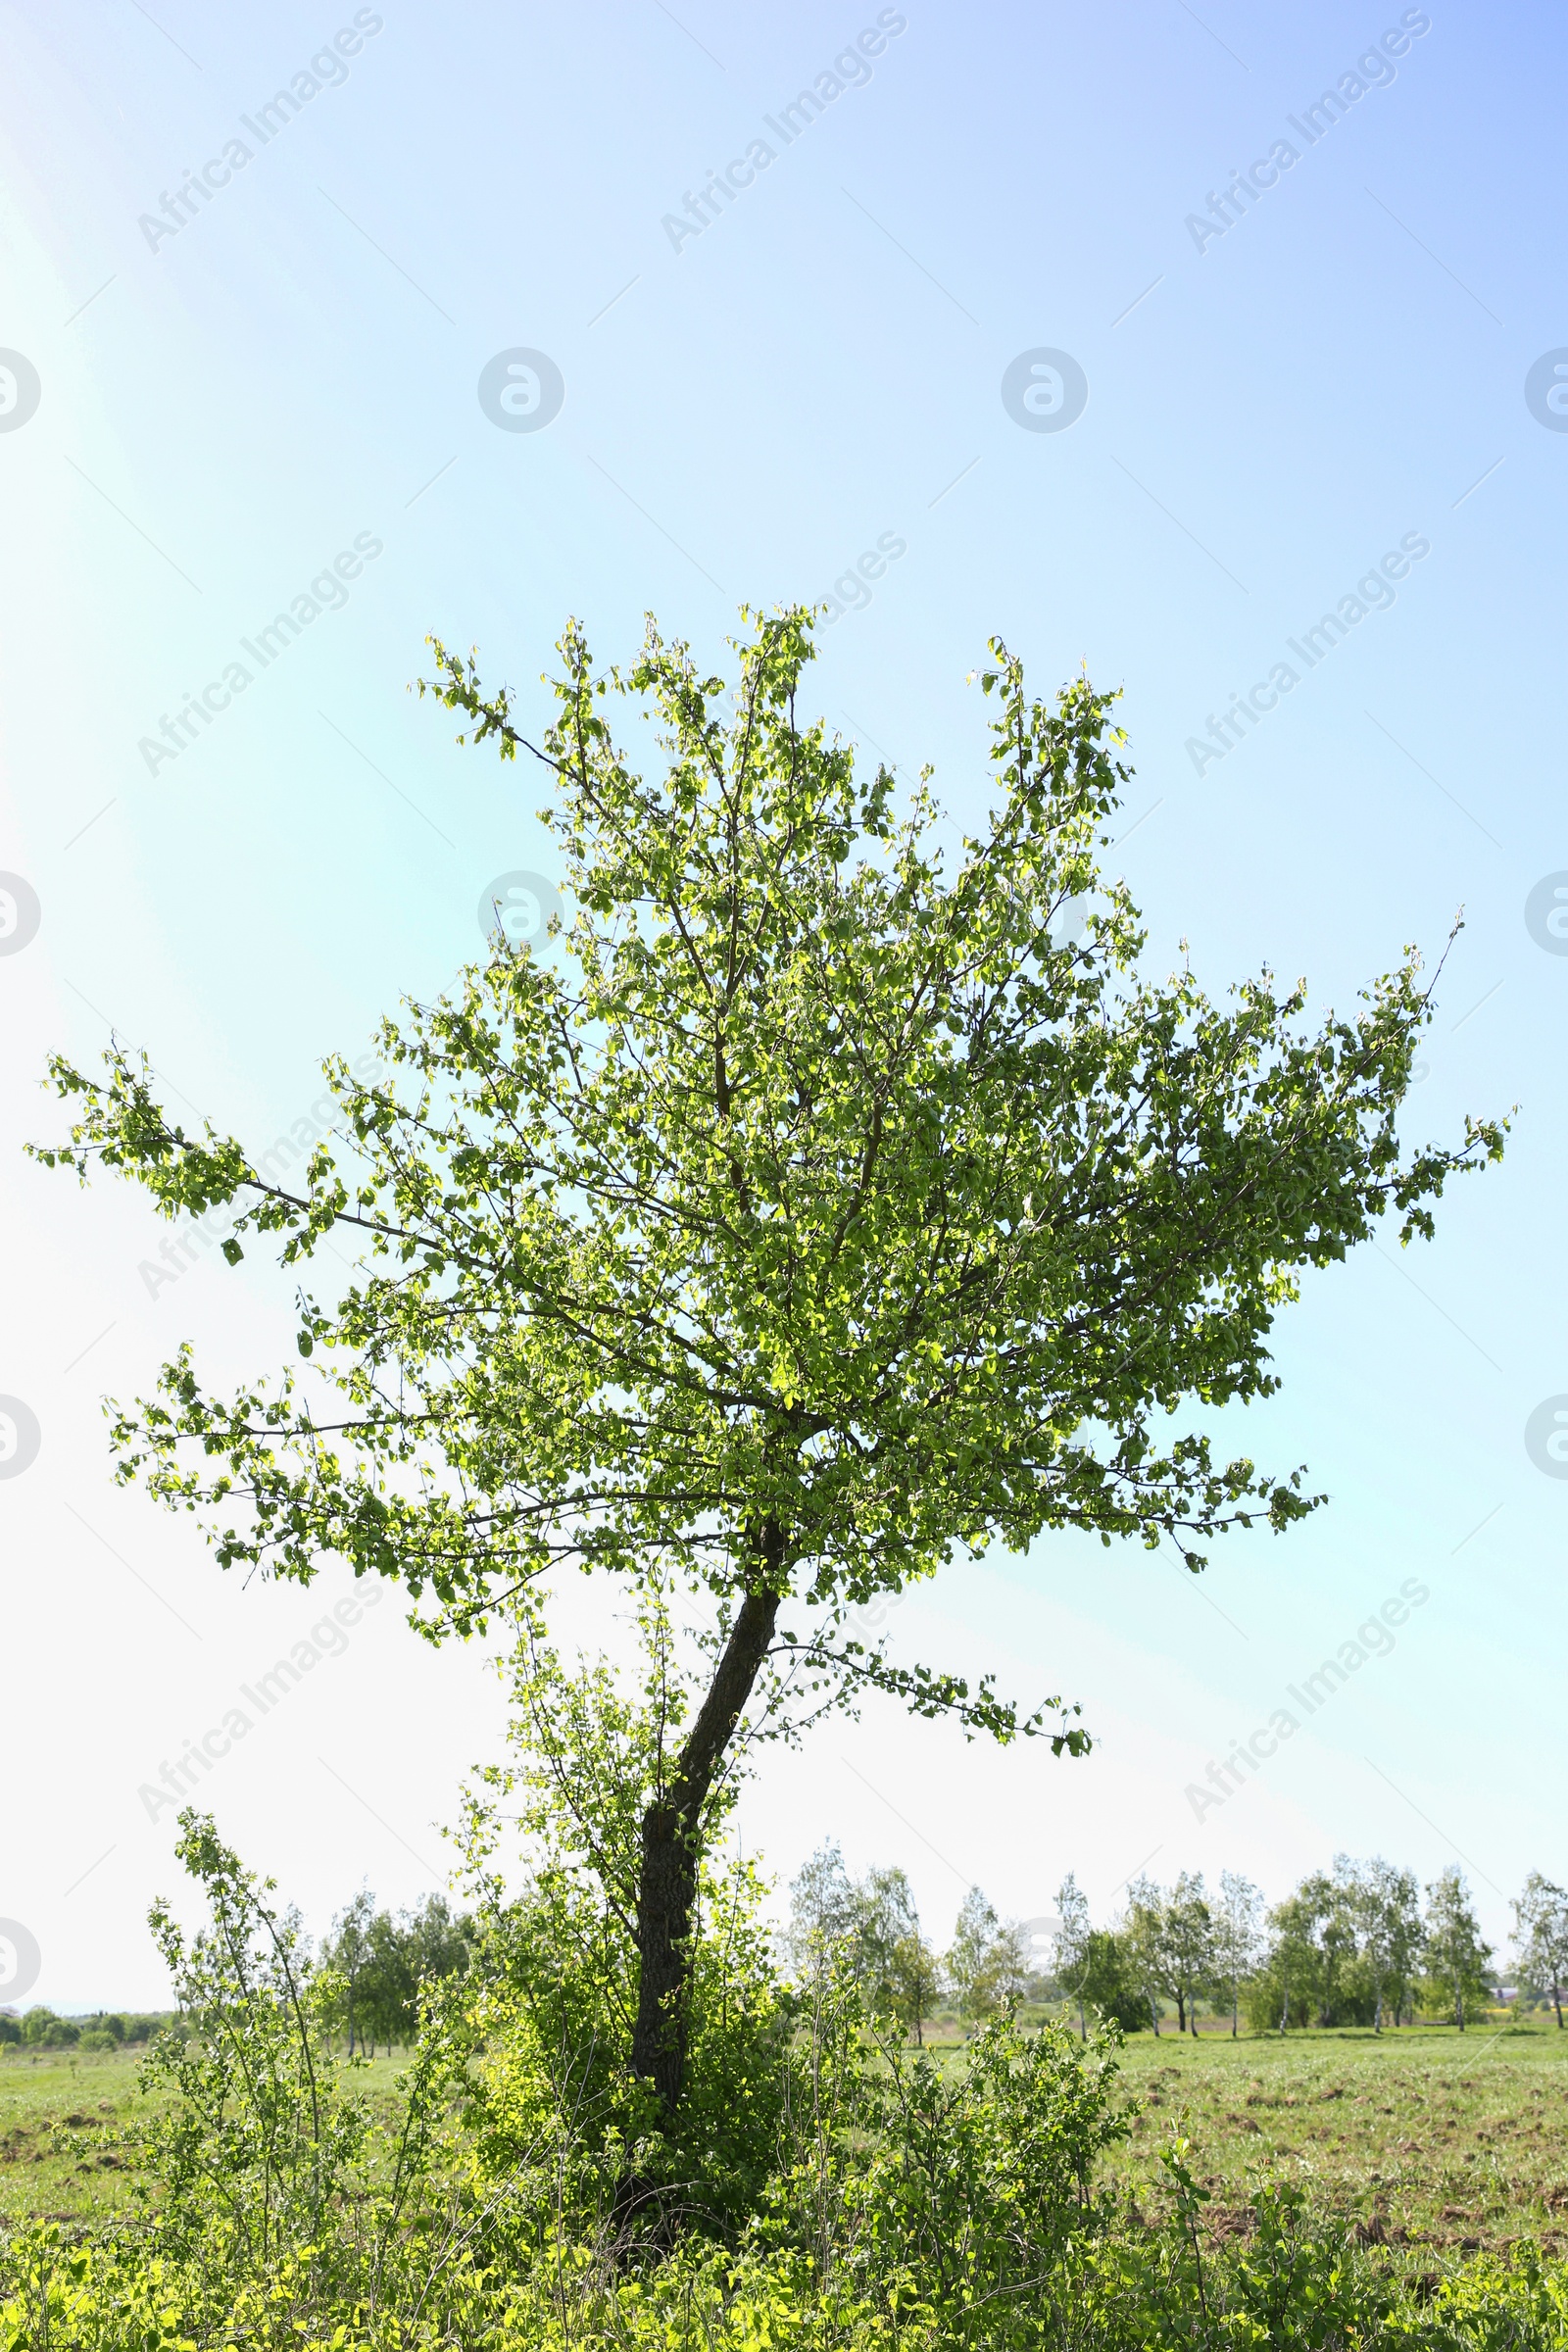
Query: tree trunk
x=666, y=1891
x=1235, y=2002
x=1556, y=2002
x=1181, y=2011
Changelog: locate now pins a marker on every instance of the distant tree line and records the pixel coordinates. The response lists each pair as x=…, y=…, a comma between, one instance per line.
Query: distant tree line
x=380, y=1960
x=40, y=2028
x=1353, y=1946
x=1357, y=1944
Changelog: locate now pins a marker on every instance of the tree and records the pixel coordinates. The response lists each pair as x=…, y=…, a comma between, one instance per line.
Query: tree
x=1455, y=1956
x=1387, y=1906
x=986, y=1965
x=825, y=1909
x=1141, y=1936
x=43, y=2029
x=1315, y=1968
x=1072, y=1943
x=347, y=1950
x=1540, y=1938
x=1331, y=1901
x=914, y=1978
x=897, y=1966
x=872, y=1924
x=440, y=1940
x=808, y=1214
x=1237, y=1936
x=1111, y=1981
x=389, y=1988
x=1185, y=1945
x=1293, y=1969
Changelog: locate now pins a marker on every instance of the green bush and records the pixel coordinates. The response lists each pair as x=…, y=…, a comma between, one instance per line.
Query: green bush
x=550, y=2100
x=939, y=2194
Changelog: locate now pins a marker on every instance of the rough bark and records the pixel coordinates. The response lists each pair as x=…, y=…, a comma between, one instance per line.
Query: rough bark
x=672, y=1826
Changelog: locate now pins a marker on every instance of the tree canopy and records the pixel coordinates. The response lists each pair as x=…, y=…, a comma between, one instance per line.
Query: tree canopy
x=809, y=1215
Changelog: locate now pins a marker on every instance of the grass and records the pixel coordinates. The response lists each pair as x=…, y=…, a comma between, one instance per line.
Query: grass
x=70, y=2135
x=1420, y=2135
x=1423, y=2137
x=74, y=2134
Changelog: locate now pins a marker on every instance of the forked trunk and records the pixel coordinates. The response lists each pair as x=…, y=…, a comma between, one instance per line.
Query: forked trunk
x=666, y=1891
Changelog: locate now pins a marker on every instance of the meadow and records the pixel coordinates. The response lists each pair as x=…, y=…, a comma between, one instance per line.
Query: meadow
x=73, y=2140
x=1423, y=2138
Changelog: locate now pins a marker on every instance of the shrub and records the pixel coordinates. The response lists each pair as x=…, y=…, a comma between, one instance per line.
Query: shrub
x=42, y=2030
x=552, y=2100
x=932, y=2192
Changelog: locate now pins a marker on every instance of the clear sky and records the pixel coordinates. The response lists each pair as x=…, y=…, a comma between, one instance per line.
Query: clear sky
x=995, y=303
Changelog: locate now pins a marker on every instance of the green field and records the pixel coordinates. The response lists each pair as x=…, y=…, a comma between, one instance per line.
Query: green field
x=1424, y=2138
x=73, y=2134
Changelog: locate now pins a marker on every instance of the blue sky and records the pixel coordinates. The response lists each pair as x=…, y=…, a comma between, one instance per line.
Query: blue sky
x=237, y=390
